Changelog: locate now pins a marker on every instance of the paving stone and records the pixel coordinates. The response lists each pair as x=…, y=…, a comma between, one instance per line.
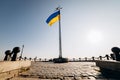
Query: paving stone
x=68, y=78
x=63, y=71
x=55, y=79
x=91, y=78
x=78, y=78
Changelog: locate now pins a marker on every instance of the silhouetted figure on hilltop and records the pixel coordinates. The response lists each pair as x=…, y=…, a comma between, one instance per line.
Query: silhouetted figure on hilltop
x=7, y=55
x=15, y=51
x=116, y=51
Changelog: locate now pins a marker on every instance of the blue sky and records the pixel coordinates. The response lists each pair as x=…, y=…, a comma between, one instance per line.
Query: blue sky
x=89, y=27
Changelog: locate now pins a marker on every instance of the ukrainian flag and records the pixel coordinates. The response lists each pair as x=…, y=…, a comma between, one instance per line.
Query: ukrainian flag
x=53, y=18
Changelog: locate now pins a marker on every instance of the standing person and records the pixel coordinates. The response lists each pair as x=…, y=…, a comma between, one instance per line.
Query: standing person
x=15, y=51
x=7, y=55
x=116, y=51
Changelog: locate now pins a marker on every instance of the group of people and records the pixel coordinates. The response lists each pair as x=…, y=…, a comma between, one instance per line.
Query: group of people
x=11, y=55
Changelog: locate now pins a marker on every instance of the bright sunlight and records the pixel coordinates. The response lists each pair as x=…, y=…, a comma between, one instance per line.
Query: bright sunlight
x=95, y=37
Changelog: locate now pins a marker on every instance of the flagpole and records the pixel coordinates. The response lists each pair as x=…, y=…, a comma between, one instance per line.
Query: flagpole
x=60, y=41
x=60, y=59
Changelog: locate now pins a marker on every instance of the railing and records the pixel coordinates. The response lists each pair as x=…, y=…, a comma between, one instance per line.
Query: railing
x=86, y=59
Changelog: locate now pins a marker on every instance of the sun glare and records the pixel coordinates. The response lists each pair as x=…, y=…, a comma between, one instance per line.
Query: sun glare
x=95, y=37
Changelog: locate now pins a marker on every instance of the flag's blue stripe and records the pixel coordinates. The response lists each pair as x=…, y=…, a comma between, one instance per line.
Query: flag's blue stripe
x=52, y=16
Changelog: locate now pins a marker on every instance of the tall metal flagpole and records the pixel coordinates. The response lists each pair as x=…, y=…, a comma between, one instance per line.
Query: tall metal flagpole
x=60, y=59
x=60, y=42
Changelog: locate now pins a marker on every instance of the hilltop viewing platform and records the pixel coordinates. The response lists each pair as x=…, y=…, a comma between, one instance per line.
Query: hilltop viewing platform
x=59, y=39
x=75, y=69
x=94, y=68
x=63, y=71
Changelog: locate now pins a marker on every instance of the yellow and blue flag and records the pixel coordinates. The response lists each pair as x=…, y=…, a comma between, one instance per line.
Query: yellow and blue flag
x=53, y=18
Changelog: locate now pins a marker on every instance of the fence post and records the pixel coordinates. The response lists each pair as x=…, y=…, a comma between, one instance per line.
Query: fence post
x=85, y=58
x=79, y=59
x=107, y=56
x=100, y=57
x=93, y=58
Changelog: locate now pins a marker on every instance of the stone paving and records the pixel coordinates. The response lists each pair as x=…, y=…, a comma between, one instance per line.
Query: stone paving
x=62, y=71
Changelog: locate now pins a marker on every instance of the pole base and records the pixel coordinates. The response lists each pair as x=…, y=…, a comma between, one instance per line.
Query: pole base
x=60, y=60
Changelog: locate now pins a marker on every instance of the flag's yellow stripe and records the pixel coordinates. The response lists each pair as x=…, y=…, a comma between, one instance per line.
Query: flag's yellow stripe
x=55, y=19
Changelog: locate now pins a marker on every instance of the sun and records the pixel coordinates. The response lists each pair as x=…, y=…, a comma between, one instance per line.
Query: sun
x=95, y=36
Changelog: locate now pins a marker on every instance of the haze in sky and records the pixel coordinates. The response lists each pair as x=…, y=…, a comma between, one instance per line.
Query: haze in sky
x=89, y=27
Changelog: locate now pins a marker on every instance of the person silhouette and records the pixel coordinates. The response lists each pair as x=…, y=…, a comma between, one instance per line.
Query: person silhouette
x=116, y=51
x=15, y=51
x=7, y=55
